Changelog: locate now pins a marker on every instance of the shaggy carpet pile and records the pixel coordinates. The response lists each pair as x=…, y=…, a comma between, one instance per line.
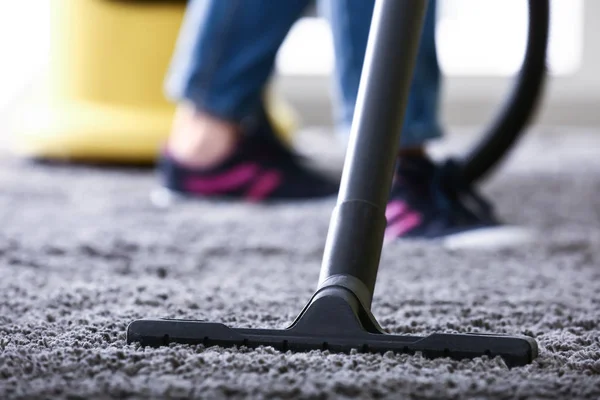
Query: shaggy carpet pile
x=83, y=253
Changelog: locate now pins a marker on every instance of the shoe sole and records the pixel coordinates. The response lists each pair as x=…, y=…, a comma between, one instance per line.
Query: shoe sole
x=490, y=238
x=162, y=197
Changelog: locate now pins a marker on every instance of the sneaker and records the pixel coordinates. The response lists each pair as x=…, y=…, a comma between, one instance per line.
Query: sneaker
x=260, y=169
x=432, y=202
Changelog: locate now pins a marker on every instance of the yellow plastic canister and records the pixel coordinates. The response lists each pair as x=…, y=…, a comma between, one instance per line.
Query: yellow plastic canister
x=103, y=99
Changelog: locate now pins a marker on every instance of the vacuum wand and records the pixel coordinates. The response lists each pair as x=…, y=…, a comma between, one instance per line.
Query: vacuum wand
x=355, y=237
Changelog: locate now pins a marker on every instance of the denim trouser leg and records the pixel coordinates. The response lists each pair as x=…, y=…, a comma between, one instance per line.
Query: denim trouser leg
x=226, y=52
x=350, y=21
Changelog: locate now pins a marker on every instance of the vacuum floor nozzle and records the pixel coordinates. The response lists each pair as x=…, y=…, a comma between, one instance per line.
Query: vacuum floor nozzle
x=339, y=324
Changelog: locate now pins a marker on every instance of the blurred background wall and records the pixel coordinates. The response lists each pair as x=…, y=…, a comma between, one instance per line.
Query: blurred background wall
x=480, y=45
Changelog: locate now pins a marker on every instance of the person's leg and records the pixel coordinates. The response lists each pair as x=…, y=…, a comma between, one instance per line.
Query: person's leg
x=350, y=21
x=223, y=59
x=427, y=201
x=221, y=140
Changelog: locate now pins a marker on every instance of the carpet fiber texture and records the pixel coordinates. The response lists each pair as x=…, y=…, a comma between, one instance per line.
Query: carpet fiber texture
x=83, y=253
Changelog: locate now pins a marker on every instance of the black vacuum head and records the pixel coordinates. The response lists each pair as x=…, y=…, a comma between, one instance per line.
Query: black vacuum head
x=332, y=323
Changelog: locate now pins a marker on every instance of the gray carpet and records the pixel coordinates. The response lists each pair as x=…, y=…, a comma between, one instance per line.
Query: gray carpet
x=82, y=253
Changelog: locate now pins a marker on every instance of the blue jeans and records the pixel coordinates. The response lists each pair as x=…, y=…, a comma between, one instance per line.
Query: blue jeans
x=226, y=53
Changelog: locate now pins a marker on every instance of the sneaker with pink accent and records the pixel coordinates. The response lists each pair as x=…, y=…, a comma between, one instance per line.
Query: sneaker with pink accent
x=260, y=169
x=432, y=202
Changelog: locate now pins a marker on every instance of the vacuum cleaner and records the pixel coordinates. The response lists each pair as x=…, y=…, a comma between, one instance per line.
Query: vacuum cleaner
x=338, y=317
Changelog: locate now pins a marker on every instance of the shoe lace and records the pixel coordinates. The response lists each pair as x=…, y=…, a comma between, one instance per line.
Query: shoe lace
x=455, y=197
